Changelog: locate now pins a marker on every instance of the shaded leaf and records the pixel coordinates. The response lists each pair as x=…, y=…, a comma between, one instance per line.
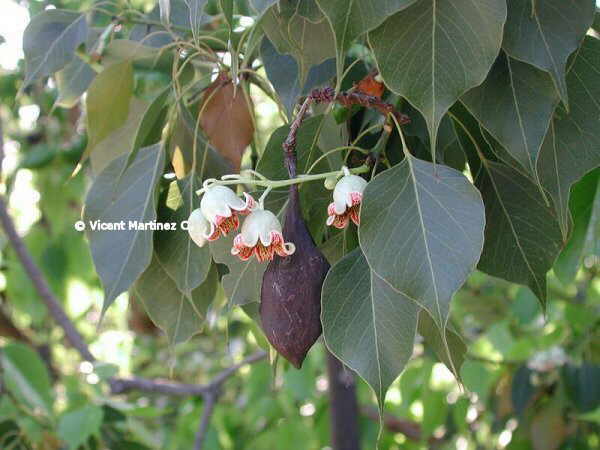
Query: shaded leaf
x=179, y=315
x=242, y=284
x=522, y=236
x=434, y=51
x=572, y=145
x=522, y=390
x=545, y=33
x=197, y=15
x=585, y=235
x=72, y=81
x=367, y=324
x=77, y=426
x=515, y=104
x=120, y=256
x=314, y=197
x=454, y=354
x=422, y=232
x=283, y=73
x=185, y=262
x=26, y=377
x=107, y=102
x=224, y=103
x=581, y=385
x=260, y=6
x=352, y=18
x=309, y=43
x=50, y=41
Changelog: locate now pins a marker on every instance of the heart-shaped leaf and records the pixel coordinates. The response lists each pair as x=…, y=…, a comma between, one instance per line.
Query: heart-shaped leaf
x=515, y=104
x=434, y=51
x=545, y=33
x=367, y=324
x=422, y=232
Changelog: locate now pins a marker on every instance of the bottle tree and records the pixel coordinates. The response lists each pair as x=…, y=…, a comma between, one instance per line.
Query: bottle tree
x=422, y=140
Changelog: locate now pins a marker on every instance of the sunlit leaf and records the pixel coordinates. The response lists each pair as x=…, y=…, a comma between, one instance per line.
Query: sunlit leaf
x=26, y=377
x=585, y=235
x=75, y=427
x=107, y=102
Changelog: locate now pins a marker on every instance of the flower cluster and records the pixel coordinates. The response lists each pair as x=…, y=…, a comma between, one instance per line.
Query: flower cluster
x=219, y=214
x=261, y=233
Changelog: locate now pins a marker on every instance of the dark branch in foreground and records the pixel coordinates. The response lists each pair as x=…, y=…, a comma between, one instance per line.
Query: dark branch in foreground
x=210, y=391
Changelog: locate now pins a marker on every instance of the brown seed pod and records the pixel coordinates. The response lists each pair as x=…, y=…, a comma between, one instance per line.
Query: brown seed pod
x=290, y=306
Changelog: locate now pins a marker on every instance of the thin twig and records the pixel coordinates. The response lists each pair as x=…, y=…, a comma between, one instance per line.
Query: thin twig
x=210, y=400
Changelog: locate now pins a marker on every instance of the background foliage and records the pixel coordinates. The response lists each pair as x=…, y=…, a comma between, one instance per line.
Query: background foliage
x=503, y=97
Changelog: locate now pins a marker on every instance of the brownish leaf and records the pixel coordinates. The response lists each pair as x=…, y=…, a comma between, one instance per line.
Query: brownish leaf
x=226, y=119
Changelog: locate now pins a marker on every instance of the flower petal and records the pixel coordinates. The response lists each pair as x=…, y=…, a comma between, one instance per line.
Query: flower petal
x=197, y=227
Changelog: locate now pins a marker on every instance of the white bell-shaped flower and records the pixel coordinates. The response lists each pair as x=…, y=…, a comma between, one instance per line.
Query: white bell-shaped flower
x=198, y=227
x=347, y=197
x=261, y=235
x=221, y=208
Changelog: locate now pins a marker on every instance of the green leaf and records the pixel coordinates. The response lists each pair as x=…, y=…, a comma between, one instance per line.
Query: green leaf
x=107, y=102
x=352, y=18
x=179, y=315
x=260, y=6
x=367, y=324
x=522, y=390
x=50, y=41
x=243, y=283
x=26, y=377
x=434, y=51
x=522, y=236
x=309, y=43
x=545, y=33
x=572, y=145
x=422, y=232
x=585, y=235
x=120, y=140
x=120, y=256
x=72, y=81
x=227, y=9
x=452, y=355
x=283, y=74
x=185, y=262
x=515, y=104
x=76, y=427
x=581, y=385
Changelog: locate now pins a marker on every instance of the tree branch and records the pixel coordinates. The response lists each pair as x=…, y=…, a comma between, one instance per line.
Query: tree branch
x=210, y=401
